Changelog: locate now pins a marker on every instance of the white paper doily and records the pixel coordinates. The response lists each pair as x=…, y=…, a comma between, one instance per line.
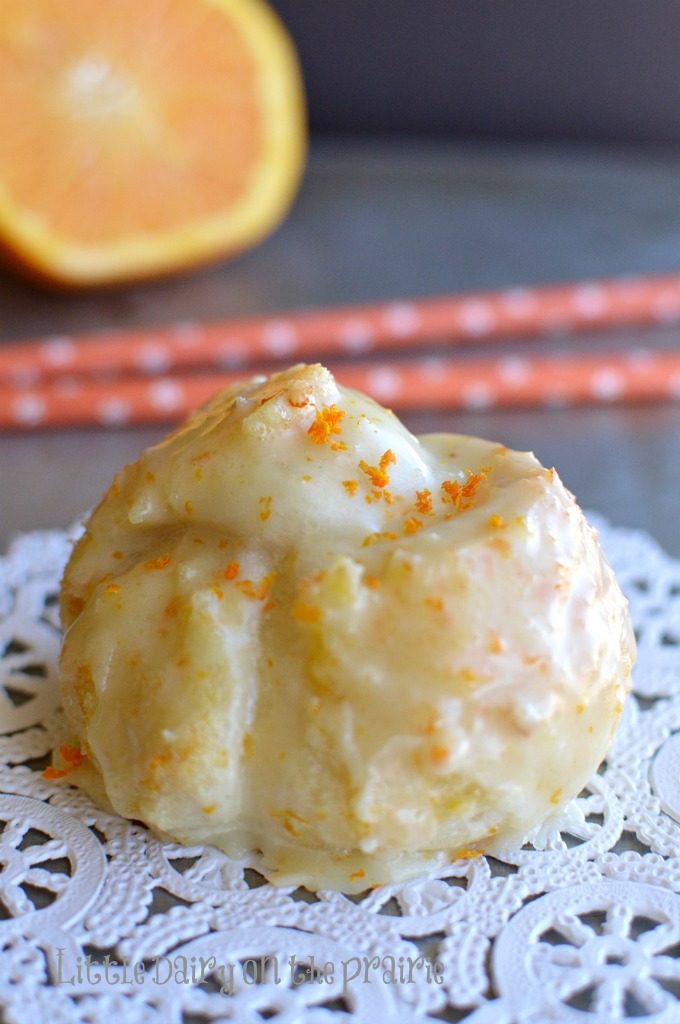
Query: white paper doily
x=581, y=926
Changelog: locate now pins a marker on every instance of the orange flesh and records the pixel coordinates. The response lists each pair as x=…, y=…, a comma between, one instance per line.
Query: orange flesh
x=124, y=105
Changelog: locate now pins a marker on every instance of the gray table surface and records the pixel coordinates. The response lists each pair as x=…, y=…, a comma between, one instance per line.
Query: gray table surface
x=377, y=220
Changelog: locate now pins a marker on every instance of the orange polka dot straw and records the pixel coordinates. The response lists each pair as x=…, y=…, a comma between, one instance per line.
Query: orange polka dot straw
x=414, y=384
x=51, y=382
x=493, y=316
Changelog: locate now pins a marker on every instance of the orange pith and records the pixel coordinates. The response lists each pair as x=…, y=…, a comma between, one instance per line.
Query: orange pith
x=138, y=137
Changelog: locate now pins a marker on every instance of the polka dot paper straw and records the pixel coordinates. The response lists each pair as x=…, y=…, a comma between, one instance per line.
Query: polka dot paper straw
x=496, y=316
x=431, y=383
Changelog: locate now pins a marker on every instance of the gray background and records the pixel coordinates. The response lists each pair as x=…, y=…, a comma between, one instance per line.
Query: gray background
x=602, y=70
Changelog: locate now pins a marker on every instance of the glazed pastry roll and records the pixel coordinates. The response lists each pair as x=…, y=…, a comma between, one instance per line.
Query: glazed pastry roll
x=294, y=627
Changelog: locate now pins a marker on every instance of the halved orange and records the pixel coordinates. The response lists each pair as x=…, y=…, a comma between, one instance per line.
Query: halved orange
x=138, y=137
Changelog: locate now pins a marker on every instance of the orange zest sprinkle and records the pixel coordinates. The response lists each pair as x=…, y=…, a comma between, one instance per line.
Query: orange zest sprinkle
x=151, y=477
x=580, y=708
x=306, y=612
x=208, y=809
x=496, y=522
x=556, y=796
x=113, y=588
x=71, y=755
x=265, y=507
x=462, y=495
x=117, y=554
x=434, y=602
x=231, y=570
x=378, y=474
x=501, y=545
x=326, y=423
x=288, y=818
x=351, y=486
x=338, y=446
x=172, y=607
x=373, y=538
x=439, y=755
x=377, y=495
x=257, y=591
x=371, y=582
x=306, y=478
x=467, y=855
x=247, y=746
x=356, y=875
x=424, y=501
x=181, y=662
x=222, y=544
x=188, y=507
x=201, y=457
x=217, y=591
x=198, y=473
x=412, y=525
x=158, y=563
x=451, y=489
x=198, y=540
x=157, y=761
